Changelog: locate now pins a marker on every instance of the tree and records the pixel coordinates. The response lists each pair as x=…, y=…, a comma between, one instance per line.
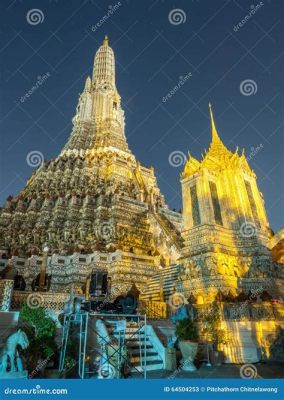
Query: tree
x=41, y=331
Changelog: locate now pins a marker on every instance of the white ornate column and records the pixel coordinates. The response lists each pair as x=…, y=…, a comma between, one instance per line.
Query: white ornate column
x=6, y=292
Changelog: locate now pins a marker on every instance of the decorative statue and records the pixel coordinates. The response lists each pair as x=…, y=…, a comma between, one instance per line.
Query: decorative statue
x=10, y=353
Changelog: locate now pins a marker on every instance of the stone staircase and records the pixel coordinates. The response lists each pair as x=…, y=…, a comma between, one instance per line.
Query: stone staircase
x=167, y=277
x=138, y=346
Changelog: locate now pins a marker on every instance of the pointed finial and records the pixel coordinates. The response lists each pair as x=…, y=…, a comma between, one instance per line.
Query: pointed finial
x=105, y=42
x=213, y=127
x=88, y=84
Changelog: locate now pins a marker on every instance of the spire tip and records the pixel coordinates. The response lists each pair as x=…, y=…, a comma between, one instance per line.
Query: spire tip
x=105, y=42
x=213, y=127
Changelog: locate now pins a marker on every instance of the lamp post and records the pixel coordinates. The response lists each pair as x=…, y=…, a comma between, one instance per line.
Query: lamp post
x=43, y=269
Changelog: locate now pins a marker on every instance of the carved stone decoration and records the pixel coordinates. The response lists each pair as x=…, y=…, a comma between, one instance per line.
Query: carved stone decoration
x=95, y=196
x=6, y=292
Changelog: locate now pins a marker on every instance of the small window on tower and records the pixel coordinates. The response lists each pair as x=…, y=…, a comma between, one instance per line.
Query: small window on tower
x=195, y=206
x=115, y=105
x=252, y=202
x=216, y=203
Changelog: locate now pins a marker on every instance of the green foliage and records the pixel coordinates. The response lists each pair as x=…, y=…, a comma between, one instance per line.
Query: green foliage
x=41, y=330
x=187, y=330
x=212, y=327
x=69, y=363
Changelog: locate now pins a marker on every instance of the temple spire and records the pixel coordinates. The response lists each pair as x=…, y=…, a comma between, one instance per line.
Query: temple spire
x=104, y=65
x=215, y=136
x=105, y=42
x=217, y=148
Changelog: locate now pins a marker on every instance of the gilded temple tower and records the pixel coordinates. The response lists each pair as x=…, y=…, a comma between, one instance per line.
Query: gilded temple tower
x=226, y=231
x=222, y=190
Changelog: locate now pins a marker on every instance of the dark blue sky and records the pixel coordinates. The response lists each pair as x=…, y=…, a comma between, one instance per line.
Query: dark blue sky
x=152, y=54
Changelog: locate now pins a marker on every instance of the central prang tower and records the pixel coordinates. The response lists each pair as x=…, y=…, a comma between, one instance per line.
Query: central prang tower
x=99, y=121
x=94, y=199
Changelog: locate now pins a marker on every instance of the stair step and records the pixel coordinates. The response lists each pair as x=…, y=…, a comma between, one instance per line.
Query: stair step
x=137, y=352
x=137, y=343
x=131, y=330
x=137, y=346
x=127, y=337
x=153, y=362
x=149, y=367
x=134, y=360
x=136, y=338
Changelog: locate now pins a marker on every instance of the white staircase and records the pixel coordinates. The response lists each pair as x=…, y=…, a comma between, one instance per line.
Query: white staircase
x=139, y=347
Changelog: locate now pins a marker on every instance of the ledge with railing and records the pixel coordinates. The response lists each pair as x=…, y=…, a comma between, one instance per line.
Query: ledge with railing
x=154, y=309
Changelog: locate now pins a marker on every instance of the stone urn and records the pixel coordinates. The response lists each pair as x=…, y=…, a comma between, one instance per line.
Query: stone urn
x=188, y=350
x=216, y=357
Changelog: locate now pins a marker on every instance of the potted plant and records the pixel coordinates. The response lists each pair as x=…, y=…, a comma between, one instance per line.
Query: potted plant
x=186, y=332
x=215, y=334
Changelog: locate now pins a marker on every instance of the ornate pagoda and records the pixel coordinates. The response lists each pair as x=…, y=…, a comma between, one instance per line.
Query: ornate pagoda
x=228, y=242
x=95, y=206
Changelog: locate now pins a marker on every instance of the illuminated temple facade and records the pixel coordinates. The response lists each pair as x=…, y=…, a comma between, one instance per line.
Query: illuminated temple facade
x=226, y=232
x=97, y=208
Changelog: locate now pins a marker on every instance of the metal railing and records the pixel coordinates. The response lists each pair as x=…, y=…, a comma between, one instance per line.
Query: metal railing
x=82, y=319
x=154, y=309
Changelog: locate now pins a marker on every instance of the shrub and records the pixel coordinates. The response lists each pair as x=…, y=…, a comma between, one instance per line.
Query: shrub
x=41, y=330
x=187, y=330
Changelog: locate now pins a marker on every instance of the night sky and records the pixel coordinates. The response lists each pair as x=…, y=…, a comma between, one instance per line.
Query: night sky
x=154, y=47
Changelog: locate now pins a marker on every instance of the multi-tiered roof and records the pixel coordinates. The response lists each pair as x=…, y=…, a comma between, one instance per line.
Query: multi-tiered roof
x=95, y=194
